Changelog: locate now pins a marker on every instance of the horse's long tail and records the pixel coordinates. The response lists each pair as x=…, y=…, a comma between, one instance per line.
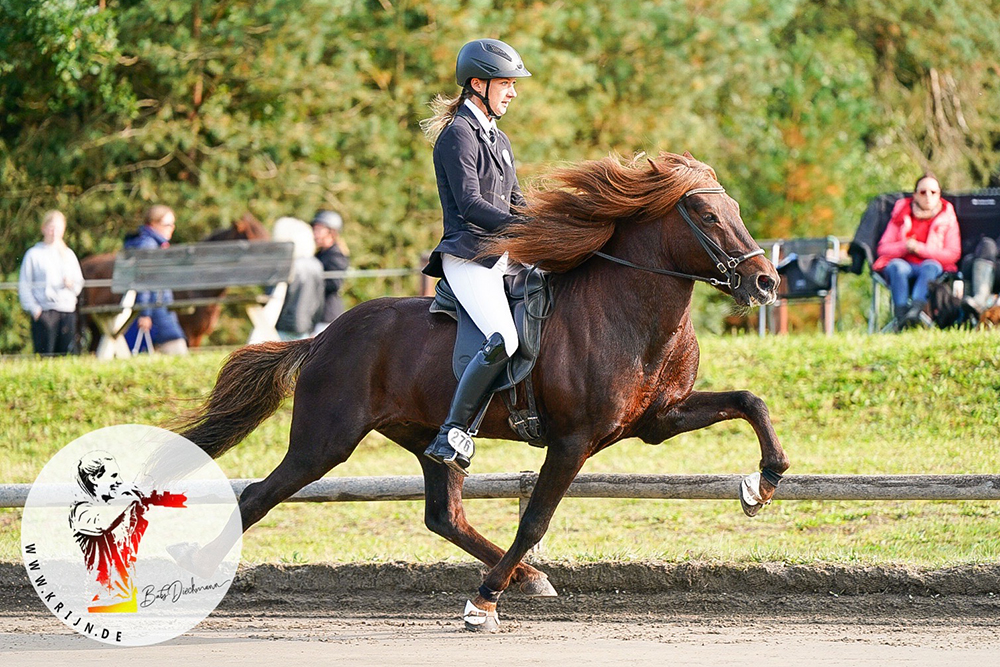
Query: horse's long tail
x=251, y=386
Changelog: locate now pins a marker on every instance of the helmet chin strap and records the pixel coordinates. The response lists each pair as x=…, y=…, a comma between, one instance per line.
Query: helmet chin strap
x=485, y=99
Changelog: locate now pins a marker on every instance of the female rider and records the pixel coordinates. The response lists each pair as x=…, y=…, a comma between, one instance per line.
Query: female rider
x=477, y=184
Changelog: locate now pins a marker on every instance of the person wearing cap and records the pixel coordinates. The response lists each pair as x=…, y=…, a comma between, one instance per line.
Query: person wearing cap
x=477, y=185
x=332, y=252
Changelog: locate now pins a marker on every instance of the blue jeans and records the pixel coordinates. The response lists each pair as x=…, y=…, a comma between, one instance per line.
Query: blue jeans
x=901, y=275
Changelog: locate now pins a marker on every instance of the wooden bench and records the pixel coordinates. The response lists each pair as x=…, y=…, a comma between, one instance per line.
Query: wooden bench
x=978, y=214
x=196, y=266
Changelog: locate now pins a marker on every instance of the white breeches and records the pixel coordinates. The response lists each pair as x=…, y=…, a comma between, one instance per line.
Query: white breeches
x=480, y=291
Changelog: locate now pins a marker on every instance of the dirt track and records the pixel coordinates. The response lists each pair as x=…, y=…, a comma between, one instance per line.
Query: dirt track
x=265, y=619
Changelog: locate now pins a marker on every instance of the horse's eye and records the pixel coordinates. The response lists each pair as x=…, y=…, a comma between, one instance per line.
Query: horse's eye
x=710, y=217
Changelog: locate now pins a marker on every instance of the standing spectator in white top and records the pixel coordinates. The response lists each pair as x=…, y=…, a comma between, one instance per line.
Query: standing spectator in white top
x=49, y=284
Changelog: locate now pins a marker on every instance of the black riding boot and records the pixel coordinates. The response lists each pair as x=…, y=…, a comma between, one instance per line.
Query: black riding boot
x=912, y=318
x=453, y=446
x=899, y=316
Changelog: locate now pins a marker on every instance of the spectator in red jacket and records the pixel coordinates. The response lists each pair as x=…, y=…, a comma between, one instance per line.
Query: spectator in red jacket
x=920, y=243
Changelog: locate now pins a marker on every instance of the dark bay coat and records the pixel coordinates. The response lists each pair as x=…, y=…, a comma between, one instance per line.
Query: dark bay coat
x=477, y=184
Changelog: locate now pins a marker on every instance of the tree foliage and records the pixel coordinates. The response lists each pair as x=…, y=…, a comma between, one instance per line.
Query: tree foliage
x=805, y=108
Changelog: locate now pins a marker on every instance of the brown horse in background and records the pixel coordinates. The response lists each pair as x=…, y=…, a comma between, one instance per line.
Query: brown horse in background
x=618, y=358
x=197, y=322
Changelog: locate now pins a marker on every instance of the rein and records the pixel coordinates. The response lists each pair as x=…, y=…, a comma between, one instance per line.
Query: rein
x=724, y=262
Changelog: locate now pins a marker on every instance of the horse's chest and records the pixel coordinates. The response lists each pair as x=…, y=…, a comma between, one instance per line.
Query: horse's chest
x=656, y=385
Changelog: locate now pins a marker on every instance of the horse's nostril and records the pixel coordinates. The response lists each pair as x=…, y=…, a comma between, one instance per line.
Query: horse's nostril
x=765, y=283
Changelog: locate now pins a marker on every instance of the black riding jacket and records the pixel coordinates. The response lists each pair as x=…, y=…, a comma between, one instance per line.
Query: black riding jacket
x=477, y=184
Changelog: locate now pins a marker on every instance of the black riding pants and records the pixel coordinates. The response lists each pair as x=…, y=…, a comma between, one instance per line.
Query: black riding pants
x=53, y=332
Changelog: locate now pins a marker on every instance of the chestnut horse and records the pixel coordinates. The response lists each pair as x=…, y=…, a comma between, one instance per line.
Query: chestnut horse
x=196, y=323
x=618, y=358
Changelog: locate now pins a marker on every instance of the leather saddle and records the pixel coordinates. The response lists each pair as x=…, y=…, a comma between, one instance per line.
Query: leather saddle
x=530, y=302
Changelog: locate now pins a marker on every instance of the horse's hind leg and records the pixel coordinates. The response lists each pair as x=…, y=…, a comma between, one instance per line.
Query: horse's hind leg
x=319, y=440
x=445, y=516
x=444, y=513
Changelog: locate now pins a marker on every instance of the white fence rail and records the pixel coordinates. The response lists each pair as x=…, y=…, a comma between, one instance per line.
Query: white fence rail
x=605, y=485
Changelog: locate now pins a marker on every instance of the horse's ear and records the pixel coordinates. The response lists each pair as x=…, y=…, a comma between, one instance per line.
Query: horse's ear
x=688, y=155
x=656, y=167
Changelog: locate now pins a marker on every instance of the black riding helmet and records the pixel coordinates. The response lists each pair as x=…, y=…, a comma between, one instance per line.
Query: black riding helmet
x=487, y=59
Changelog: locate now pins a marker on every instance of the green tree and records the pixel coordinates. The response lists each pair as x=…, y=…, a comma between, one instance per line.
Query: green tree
x=806, y=108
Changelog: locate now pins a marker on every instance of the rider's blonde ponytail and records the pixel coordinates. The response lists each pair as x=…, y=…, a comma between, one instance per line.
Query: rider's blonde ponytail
x=444, y=109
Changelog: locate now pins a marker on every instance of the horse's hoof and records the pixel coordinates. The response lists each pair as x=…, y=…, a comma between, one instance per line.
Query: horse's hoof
x=538, y=588
x=749, y=510
x=490, y=626
x=749, y=493
x=480, y=620
x=185, y=554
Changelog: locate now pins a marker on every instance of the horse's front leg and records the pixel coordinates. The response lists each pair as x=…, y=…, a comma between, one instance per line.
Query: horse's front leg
x=701, y=409
x=562, y=463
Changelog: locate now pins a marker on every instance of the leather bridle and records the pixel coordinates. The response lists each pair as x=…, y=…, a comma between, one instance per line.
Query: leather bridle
x=724, y=262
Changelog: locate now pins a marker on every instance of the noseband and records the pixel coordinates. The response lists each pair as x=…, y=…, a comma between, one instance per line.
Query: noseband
x=724, y=262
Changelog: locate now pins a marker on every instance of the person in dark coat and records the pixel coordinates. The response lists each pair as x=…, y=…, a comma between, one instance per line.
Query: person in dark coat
x=332, y=252
x=477, y=185
x=159, y=322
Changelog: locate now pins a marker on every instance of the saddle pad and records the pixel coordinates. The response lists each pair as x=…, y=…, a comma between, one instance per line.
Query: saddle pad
x=530, y=305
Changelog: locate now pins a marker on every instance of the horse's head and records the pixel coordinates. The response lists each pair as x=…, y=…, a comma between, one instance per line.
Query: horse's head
x=669, y=216
x=717, y=246
x=731, y=254
x=246, y=228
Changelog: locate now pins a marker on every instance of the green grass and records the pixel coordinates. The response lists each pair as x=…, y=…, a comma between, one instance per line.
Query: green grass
x=919, y=402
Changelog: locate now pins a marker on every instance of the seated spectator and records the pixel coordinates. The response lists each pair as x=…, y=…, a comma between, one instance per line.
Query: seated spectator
x=333, y=253
x=920, y=243
x=304, y=300
x=49, y=283
x=981, y=271
x=157, y=323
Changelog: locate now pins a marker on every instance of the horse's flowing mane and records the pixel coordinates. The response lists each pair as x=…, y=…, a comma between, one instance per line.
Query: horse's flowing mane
x=575, y=210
